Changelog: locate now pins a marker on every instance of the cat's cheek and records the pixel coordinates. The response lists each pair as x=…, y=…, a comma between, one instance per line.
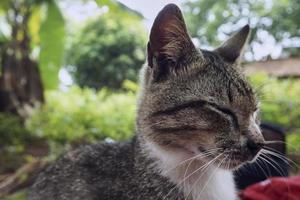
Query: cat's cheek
x=170, y=155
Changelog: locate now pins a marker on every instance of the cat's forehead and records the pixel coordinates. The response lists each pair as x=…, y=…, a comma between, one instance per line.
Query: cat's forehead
x=225, y=87
x=219, y=82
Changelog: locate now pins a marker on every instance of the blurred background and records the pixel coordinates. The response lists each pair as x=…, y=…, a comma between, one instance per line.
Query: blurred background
x=68, y=71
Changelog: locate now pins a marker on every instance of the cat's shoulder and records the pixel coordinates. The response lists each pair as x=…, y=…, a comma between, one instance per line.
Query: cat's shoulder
x=98, y=154
x=76, y=170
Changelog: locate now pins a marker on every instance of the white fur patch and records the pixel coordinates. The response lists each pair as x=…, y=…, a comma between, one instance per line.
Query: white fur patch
x=210, y=184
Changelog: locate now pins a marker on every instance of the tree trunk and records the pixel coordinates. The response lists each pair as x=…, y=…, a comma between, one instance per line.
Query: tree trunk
x=21, y=87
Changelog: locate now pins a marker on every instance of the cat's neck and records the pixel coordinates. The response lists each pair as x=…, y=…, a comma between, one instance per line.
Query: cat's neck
x=196, y=179
x=214, y=184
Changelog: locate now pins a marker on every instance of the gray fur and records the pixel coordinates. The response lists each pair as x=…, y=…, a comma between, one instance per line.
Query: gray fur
x=189, y=98
x=102, y=172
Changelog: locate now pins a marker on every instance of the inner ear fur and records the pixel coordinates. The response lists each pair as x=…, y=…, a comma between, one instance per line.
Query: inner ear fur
x=231, y=49
x=168, y=37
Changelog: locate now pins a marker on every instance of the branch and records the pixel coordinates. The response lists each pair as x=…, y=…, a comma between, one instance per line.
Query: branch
x=14, y=182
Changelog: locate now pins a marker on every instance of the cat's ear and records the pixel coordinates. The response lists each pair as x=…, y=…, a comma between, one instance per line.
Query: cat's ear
x=233, y=47
x=169, y=39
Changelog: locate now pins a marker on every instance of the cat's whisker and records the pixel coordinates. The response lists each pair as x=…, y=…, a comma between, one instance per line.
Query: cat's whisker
x=191, y=163
x=268, y=101
x=210, y=177
x=267, y=149
x=274, y=142
x=185, y=178
x=186, y=172
x=261, y=168
x=277, y=154
x=266, y=166
x=288, y=161
x=205, y=168
x=280, y=142
x=281, y=172
x=229, y=161
x=261, y=86
x=271, y=162
x=198, y=156
x=280, y=156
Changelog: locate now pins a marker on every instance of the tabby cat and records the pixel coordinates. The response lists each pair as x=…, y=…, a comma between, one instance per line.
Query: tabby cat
x=196, y=122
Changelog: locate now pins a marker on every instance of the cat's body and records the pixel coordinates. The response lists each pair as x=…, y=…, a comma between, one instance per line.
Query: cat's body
x=119, y=171
x=196, y=122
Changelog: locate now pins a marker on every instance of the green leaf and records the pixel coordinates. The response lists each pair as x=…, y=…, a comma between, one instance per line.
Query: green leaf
x=120, y=9
x=110, y=3
x=34, y=25
x=52, y=36
x=4, y=5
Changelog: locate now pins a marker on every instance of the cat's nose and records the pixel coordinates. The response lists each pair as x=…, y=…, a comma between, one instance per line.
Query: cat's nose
x=254, y=147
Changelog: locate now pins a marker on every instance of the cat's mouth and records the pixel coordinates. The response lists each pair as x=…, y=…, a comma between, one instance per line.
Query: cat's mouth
x=235, y=160
x=227, y=159
x=231, y=155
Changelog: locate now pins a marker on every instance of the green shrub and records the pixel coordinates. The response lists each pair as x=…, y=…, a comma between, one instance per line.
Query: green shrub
x=11, y=130
x=107, y=51
x=84, y=115
x=293, y=141
x=280, y=104
x=13, y=138
x=17, y=196
x=280, y=100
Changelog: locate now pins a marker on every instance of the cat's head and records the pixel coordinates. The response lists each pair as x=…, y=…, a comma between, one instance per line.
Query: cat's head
x=196, y=102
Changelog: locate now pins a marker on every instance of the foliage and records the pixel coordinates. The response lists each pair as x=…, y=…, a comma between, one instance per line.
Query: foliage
x=52, y=45
x=11, y=131
x=17, y=196
x=119, y=8
x=280, y=100
x=293, y=141
x=13, y=138
x=43, y=31
x=280, y=104
x=107, y=51
x=278, y=18
x=83, y=115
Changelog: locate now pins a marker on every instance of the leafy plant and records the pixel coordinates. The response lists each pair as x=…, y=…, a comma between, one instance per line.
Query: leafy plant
x=42, y=25
x=13, y=139
x=211, y=21
x=52, y=45
x=17, y=196
x=280, y=104
x=293, y=141
x=107, y=51
x=83, y=115
x=280, y=100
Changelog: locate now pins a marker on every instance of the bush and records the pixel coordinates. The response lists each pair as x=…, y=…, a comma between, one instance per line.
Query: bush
x=107, y=51
x=293, y=142
x=13, y=138
x=280, y=100
x=84, y=115
x=11, y=130
x=280, y=104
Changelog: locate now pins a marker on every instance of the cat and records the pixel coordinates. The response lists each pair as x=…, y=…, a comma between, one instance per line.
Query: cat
x=197, y=120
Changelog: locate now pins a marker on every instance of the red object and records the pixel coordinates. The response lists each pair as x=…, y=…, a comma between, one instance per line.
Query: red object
x=278, y=188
